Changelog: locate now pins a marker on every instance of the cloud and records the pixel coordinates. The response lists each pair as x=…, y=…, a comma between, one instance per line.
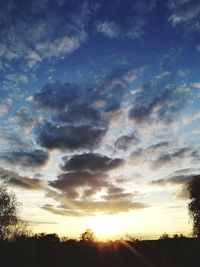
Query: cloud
x=139, y=19
x=85, y=187
x=187, y=119
x=164, y=155
x=44, y=34
x=108, y=28
x=157, y=101
x=10, y=137
x=26, y=158
x=85, y=208
x=117, y=193
x=25, y=118
x=33, y=58
x=126, y=141
x=83, y=175
x=55, y=136
x=63, y=212
x=160, y=145
x=115, y=87
x=38, y=223
x=143, y=6
x=109, y=207
x=196, y=85
x=81, y=113
x=184, y=13
x=72, y=113
x=92, y=162
x=179, y=155
x=182, y=180
x=80, y=101
x=60, y=47
x=136, y=16
x=177, y=180
x=71, y=183
x=136, y=27
x=14, y=179
x=56, y=96
x=4, y=106
x=17, y=78
x=198, y=48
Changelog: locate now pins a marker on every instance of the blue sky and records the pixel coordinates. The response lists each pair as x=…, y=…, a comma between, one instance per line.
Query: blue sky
x=99, y=111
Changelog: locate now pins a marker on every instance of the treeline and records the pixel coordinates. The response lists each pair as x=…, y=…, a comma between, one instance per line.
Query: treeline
x=47, y=250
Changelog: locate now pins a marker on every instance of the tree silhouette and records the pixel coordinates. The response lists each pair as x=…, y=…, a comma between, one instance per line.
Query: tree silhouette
x=10, y=224
x=194, y=204
x=88, y=236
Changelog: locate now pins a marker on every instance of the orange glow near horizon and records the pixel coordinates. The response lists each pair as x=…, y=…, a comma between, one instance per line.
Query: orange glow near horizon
x=106, y=226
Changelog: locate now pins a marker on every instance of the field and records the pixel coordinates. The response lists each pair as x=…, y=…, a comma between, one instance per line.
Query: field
x=44, y=252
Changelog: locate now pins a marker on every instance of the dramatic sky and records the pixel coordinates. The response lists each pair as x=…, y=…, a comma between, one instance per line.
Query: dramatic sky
x=99, y=113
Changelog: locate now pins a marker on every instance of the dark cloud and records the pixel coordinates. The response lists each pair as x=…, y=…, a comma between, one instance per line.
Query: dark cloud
x=157, y=101
x=167, y=157
x=52, y=136
x=180, y=154
x=14, y=179
x=91, y=161
x=117, y=193
x=115, y=87
x=83, y=177
x=63, y=212
x=187, y=171
x=74, y=120
x=176, y=180
x=26, y=158
x=56, y=96
x=82, y=113
x=85, y=208
x=164, y=155
x=160, y=145
x=71, y=183
x=109, y=207
x=78, y=101
x=126, y=141
x=180, y=180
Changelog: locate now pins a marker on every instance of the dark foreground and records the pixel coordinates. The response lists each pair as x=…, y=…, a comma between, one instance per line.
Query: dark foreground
x=52, y=253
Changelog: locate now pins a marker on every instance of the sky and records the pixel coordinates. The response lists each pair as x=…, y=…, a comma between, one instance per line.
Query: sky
x=100, y=112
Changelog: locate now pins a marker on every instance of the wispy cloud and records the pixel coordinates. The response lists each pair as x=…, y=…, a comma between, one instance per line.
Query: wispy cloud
x=14, y=179
x=5, y=105
x=108, y=28
x=26, y=158
x=185, y=14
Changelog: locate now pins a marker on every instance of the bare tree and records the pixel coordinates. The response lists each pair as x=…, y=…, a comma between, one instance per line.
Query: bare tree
x=11, y=226
x=194, y=204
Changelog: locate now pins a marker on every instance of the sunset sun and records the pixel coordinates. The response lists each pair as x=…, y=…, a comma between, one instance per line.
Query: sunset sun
x=106, y=226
